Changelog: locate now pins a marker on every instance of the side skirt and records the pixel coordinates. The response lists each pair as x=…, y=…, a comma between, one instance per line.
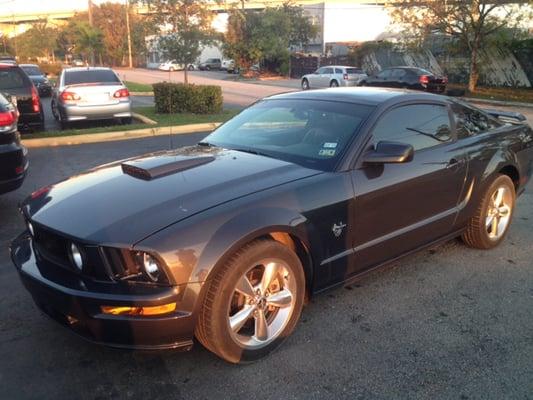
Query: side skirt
x=362, y=274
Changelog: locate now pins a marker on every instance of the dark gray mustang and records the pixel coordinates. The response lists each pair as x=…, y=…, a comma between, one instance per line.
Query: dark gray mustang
x=224, y=240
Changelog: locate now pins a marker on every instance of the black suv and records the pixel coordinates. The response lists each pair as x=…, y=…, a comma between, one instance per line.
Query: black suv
x=408, y=78
x=38, y=78
x=15, y=83
x=13, y=161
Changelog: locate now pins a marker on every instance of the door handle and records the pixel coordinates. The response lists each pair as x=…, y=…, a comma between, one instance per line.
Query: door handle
x=455, y=162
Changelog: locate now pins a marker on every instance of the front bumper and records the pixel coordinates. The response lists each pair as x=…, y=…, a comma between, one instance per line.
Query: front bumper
x=121, y=109
x=75, y=302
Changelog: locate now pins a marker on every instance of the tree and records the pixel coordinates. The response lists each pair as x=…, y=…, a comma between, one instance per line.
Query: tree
x=38, y=41
x=471, y=22
x=267, y=35
x=87, y=39
x=185, y=26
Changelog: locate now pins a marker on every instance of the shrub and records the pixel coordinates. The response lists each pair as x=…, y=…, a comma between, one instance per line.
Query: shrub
x=51, y=69
x=178, y=98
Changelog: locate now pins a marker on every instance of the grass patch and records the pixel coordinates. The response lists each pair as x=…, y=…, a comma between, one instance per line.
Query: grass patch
x=161, y=119
x=523, y=95
x=138, y=87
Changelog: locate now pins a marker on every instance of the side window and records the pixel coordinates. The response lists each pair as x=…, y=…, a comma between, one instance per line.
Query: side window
x=384, y=74
x=320, y=70
x=328, y=71
x=338, y=71
x=398, y=73
x=470, y=122
x=420, y=125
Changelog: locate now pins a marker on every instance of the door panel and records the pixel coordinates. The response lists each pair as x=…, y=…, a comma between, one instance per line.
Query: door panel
x=400, y=207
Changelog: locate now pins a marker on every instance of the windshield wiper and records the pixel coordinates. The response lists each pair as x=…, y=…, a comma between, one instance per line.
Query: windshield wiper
x=206, y=144
x=252, y=151
x=427, y=134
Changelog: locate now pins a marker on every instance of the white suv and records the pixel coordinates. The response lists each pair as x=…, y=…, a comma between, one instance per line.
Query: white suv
x=333, y=76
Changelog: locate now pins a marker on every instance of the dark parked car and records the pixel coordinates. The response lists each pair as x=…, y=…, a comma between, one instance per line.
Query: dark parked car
x=13, y=161
x=298, y=193
x=210, y=63
x=38, y=78
x=408, y=78
x=15, y=82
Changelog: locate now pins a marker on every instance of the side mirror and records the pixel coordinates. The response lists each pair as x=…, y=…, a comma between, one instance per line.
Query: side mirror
x=390, y=153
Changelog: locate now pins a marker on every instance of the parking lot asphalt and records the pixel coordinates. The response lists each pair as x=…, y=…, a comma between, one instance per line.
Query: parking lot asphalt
x=446, y=323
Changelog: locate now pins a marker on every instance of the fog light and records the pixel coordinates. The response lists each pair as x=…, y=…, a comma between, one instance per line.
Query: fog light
x=126, y=310
x=151, y=267
x=75, y=255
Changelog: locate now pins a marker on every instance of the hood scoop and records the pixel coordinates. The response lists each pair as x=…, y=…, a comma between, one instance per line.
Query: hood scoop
x=148, y=168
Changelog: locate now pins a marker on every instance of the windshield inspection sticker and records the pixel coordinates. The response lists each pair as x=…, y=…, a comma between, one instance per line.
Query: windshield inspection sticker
x=326, y=152
x=330, y=145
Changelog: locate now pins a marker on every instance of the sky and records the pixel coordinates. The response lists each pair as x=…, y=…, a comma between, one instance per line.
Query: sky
x=9, y=7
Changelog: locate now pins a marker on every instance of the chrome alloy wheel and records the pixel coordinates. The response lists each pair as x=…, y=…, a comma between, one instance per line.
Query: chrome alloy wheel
x=499, y=213
x=262, y=304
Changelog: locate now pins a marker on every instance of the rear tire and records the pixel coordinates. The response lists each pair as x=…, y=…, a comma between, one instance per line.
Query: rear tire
x=491, y=221
x=334, y=83
x=253, y=302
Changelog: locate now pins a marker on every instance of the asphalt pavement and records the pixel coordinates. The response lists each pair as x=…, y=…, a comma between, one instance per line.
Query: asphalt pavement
x=446, y=323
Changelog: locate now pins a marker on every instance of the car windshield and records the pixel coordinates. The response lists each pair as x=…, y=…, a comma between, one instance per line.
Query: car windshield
x=312, y=133
x=90, y=76
x=32, y=71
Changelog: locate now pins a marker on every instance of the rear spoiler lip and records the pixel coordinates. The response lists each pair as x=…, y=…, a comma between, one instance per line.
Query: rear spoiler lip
x=506, y=114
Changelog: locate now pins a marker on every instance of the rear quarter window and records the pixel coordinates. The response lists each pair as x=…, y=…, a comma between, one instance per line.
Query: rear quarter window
x=12, y=78
x=90, y=76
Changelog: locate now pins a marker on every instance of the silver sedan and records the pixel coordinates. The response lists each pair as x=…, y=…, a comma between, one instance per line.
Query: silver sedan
x=90, y=93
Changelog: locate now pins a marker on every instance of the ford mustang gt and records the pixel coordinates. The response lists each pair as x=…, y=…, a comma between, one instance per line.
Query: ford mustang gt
x=224, y=241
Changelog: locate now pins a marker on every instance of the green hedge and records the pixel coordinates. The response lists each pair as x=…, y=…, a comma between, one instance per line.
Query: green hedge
x=178, y=98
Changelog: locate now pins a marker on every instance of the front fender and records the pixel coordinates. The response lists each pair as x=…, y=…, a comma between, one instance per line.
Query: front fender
x=194, y=247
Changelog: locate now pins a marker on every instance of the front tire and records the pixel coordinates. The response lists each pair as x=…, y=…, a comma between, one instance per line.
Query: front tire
x=253, y=302
x=305, y=84
x=491, y=221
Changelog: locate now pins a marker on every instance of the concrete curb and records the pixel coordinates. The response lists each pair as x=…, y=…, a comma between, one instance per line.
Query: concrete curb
x=141, y=93
x=501, y=103
x=144, y=119
x=120, y=135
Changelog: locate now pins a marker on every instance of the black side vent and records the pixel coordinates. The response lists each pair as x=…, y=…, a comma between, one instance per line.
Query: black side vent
x=157, y=166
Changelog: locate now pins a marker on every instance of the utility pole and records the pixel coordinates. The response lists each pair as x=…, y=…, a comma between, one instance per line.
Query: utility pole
x=130, y=60
x=90, y=13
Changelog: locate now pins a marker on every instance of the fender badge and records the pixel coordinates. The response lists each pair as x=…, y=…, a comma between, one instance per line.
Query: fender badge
x=337, y=229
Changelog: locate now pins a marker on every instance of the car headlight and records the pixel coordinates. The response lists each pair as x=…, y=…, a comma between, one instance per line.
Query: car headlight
x=151, y=267
x=76, y=256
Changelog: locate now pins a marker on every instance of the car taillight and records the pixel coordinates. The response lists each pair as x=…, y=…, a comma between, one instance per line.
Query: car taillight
x=445, y=79
x=345, y=76
x=35, y=99
x=8, y=118
x=424, y=79
x=121, y=93
x=69, y=96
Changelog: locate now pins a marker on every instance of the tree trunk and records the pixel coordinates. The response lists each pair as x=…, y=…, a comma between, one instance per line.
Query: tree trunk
x=474, y=69
x=186, y=75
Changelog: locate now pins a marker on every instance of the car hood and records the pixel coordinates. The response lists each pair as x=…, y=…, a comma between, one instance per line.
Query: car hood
x=123, y=202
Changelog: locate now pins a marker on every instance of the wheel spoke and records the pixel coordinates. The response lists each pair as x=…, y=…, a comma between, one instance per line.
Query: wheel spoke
x=261, y=326
x=498, y=199
x=245, y=287
x=238, y=320
x=494, y=226
x=281, y=299
x=271, y=272
x=488, y=221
